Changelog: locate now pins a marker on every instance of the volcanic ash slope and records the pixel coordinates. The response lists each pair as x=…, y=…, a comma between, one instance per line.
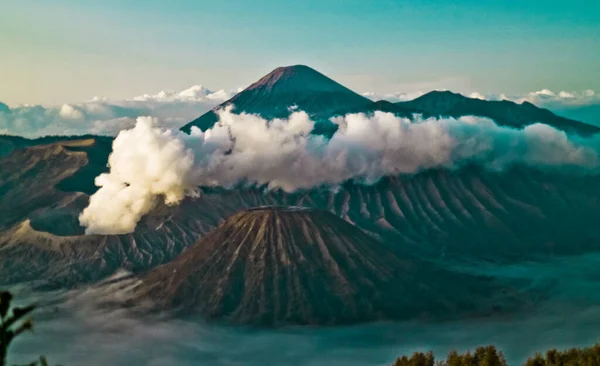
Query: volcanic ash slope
x=274, y=266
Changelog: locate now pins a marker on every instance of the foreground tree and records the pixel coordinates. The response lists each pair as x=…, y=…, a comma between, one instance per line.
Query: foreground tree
x=417, y=359
x=483, y=356
x=589, y=356
x=14, y=322
x=490, y=356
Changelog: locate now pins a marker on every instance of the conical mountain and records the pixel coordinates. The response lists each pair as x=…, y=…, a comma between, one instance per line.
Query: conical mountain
x=273, y=95
x=274, y=266
x=449, y=104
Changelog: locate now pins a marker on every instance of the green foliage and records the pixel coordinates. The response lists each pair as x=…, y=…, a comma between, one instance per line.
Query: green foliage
x=572, y=357
x=417, y=359
x=490, y=356
x=13, y=322
x=483, y=356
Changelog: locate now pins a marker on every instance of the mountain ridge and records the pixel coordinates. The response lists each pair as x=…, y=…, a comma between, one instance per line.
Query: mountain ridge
x=504, y=112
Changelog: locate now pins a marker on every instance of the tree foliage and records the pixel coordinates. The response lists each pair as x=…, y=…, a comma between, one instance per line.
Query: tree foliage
x=483, y=356
x=490, y=356
x=14, y=321
x=589, y=356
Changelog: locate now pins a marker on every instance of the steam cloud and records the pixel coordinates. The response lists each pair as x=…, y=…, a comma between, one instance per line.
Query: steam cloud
x=149, y=163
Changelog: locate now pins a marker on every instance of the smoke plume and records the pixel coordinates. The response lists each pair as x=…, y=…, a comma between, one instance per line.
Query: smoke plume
x=149, y=163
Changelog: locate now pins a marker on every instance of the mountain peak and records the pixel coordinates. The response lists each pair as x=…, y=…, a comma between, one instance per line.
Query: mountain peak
x=297, y=85
x=443, y=94
x=294, y=68
x=529, y=105
x=296, y=78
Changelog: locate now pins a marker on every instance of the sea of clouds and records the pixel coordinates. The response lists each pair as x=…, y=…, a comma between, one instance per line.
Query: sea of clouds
x=103, y=116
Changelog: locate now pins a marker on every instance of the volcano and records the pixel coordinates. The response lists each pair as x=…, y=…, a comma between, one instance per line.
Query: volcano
x=284, y=88
x=273, y=266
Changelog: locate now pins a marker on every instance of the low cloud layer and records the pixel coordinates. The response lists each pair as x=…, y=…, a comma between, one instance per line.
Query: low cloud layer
x=78, y=328
x=101, y=116
x=149, y=163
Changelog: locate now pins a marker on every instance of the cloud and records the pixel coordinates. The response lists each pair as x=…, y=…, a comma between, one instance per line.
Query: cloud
x=67, y=111
x=476, y=95
x=196, y=93
x=102, y=116
x=150, y=163
x=393, y=97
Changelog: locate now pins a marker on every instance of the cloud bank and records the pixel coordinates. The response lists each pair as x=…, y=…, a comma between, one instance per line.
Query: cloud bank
x=101, y=116
x=150, y=163
x=77, y=328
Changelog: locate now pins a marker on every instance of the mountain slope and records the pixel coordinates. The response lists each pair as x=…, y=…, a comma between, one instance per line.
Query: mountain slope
x=285, y=87
x=9, y=143
x=287, y=265
x=448, y=104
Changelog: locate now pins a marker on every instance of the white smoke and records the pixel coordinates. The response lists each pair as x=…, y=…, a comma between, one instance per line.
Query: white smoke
x=149, y=163
x=146, y=162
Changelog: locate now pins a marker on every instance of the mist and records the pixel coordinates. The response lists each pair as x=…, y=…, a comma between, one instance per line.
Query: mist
x=73, y=329
x=149, y=163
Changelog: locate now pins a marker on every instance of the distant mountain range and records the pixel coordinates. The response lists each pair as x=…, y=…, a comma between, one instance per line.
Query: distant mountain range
x=506, y=113
x=306, y=89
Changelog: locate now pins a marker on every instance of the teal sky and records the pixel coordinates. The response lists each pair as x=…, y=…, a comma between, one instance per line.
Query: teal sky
x=55, y=51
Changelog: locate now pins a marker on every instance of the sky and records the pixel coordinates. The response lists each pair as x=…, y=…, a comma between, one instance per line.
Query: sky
x=66, y=51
